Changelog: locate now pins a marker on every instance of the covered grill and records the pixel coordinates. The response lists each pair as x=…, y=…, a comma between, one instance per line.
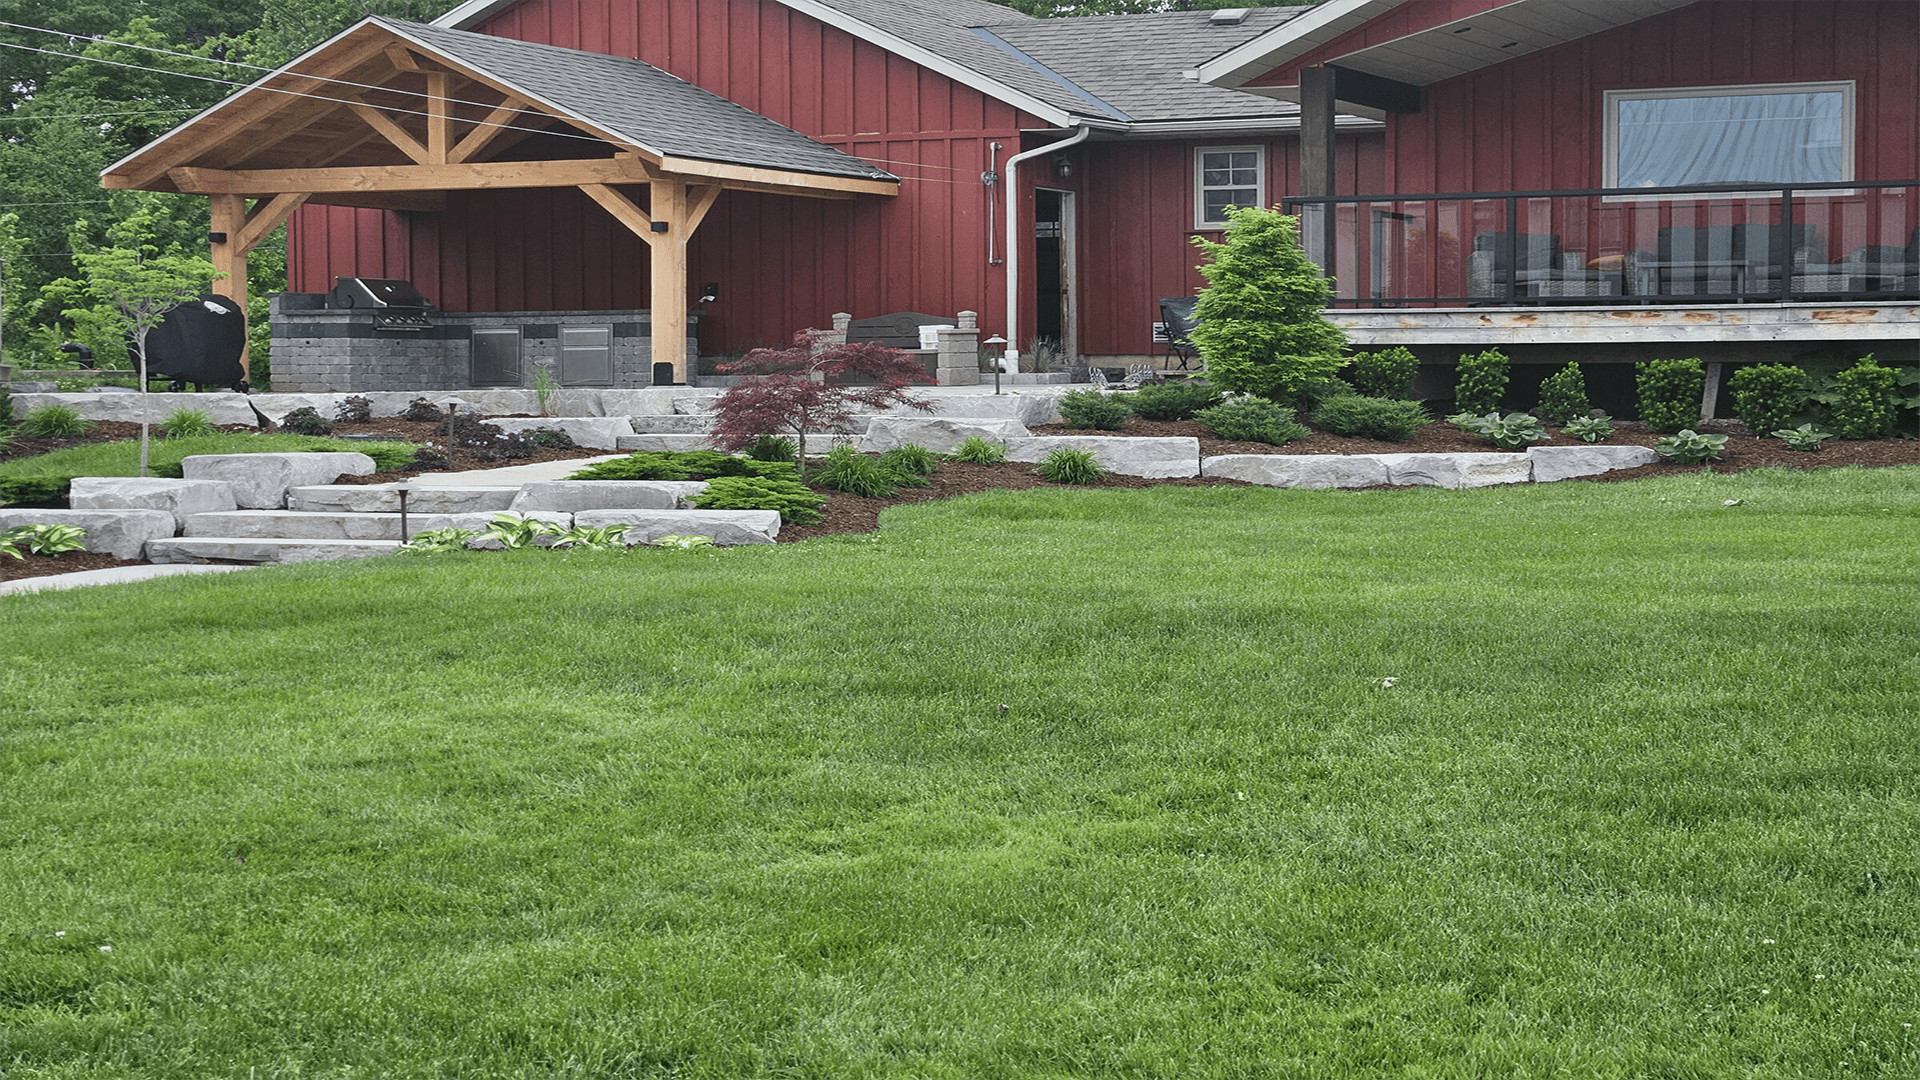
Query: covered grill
x=396, y=305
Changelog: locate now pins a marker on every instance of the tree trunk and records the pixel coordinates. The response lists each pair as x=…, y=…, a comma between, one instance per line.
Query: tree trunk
x=146, y=400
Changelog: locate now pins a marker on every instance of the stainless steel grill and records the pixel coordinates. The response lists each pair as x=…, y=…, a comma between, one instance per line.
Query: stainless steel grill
x=396, y=305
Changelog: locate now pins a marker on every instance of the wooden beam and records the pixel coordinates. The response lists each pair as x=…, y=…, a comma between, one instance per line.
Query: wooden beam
x=229, y=222
x=401, y=57
x=669, y=277
x=467, y=176
x=699, y=201
x=266, y=217
x=439, y=123
x=800, y=183
x=623, y=209
x=486, y=130
x=393, y=132
x=420, y=202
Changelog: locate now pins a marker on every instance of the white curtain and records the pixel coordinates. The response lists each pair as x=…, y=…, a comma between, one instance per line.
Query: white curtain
x=1773, y=138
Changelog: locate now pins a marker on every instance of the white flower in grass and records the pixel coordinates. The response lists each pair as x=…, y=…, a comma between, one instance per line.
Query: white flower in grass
x=106, y=948
x=1766, y=941
x=59, y=933
x=1387, y=683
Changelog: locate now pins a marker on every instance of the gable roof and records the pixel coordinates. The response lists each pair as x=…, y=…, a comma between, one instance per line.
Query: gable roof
x=1104, y=71
x=637, y=103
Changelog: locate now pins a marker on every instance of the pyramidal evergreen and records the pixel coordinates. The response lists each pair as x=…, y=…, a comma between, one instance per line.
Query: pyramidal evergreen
x=1260, y=329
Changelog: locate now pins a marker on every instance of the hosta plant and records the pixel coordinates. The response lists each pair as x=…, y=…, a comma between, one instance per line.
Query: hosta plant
x=684, y=542
x=593, y=538
x=1689, y=447
x=975, y=450
x=513, y=531
x=1805, y=437
x=1066, y=465
x=433, y=540
x=43, y=538
x=1590, y=429
x=1509, y=432
x=8, y=547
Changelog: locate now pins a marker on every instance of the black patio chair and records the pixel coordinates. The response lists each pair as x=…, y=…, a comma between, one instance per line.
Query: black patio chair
x=1176, y=314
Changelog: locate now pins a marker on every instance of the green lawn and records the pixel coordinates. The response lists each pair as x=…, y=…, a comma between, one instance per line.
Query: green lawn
x=164, y=455
x=1038, y=784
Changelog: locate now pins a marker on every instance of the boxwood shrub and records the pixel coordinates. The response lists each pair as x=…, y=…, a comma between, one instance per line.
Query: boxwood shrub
x=1670, y=393
x=1357, y=416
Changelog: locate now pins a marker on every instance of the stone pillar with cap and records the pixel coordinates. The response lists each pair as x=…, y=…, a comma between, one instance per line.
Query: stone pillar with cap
x=958, y=363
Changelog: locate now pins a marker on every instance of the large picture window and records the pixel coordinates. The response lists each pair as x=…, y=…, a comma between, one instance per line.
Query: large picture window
x=1779, y=134
x=1227, y=176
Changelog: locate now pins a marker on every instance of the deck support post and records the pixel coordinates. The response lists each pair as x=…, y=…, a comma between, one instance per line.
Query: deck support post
x=236, y=231
x=1316, y=163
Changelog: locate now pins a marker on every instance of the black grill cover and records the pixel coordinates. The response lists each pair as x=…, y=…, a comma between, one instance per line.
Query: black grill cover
x=200, y=342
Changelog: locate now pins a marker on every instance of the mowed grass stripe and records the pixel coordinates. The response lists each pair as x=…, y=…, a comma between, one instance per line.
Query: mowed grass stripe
x=1642, y=799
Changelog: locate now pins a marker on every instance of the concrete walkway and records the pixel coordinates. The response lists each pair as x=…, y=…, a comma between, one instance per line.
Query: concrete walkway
x=113, y=575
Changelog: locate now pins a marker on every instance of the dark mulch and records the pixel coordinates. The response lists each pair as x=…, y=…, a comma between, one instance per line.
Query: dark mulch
x=395, y=430
x=30, y=565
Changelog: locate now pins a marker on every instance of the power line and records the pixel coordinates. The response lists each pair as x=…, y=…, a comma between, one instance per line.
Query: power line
x=97, y=115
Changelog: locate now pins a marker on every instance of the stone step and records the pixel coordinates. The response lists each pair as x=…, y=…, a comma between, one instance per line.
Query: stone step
x=254, y=550
x=382, y=498
x=308, y=525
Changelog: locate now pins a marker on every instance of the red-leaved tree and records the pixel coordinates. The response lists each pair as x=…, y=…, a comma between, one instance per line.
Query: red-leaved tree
x=793, y=389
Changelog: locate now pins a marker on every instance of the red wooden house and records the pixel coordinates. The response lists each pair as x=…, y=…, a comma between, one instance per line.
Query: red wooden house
x=815, y=156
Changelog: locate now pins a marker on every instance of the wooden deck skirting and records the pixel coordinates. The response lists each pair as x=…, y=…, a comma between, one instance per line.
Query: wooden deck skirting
x=1532, y=325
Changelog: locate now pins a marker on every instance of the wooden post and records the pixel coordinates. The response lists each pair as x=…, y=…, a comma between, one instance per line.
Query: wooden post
x=1316, y=163
x=229, y=254
x=670, y=274
x=1710, y=394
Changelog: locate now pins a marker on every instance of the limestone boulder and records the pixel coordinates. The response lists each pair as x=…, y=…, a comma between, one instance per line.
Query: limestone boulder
x=595, y=432
x=385, y=499
x=1552, y=463
x=670, y=424
x=123, y=534
x=181, y=498
x=1301, y=470
x=1159, y=457
x=222, y=408
x=1469, y=470
x=723, y=527
x=573, y=496
x=939, y=434
x=261, y=481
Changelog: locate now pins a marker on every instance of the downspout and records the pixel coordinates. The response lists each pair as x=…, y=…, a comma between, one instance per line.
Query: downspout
x=1013, y=235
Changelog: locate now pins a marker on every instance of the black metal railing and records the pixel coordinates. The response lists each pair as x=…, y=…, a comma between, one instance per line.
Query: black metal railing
x=1706, y=243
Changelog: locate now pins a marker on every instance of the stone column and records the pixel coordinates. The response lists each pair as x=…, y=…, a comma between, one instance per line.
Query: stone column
x=959, y=360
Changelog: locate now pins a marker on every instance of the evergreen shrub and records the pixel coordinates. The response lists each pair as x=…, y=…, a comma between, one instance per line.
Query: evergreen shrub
x=1563, y=395
x=1358, y=416
x=1093, y=410
x=1261, y=328
x=1767, y=397
x=1481, y=381
x=1386, y=373
x=1863, y=406
x=1670, y=393
x=797, y=503
x=1174, y=400
x=1252, y=419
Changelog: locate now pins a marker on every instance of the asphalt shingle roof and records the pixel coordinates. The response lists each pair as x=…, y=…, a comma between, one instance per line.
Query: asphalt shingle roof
x=640, y=103
x=1134, y=62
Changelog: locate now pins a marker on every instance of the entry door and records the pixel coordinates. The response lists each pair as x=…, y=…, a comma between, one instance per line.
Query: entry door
x=1054, y=270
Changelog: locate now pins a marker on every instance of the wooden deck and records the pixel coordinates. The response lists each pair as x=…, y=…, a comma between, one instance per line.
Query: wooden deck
x=1485, y=327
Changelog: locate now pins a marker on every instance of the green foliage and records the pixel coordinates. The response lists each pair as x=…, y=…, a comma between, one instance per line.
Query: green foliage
x=549, y=438
x=773, y=448
x=1390, y=419
x=684, y=542
x=1385, y=373
x=1261, y=328
x=1093, y=410
x=6, y=406
x=545, y=387
x=34, y=490
x=437, y=540
x=1176, y=399
x=1252, y=419
x=1864, y=406
x=42, y=538
x=54, y=422
x=305, y=421
x=186, y=423
x=1066, y=465
x=8, y=547
x=421, y=411
x=797, y=503
x=1481, y=381
x=911, y=458
x=1509, y=432
x=1563, y=395
x=1690, y=447
x=843, y=469
x=514, y=531
x=975, y=450
x=1768, y=396
x=684, y=465
x=1669, y=392
x=593, y=538
x=43, y=478
x=1590, y=429
x=353, y=409
x=1805, y=437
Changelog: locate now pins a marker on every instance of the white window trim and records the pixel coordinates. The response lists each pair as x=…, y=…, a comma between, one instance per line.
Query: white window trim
x=1200, y=223
x=1610, y=124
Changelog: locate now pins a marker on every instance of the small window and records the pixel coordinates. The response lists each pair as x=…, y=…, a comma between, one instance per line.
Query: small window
x=1227, y=176
x=1800, y=133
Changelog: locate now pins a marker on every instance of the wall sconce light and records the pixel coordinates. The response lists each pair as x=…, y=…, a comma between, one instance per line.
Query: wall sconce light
x=1062, y=165
x=710, y=293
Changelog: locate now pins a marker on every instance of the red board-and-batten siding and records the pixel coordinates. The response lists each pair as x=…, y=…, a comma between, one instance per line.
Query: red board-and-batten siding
x=1536, y=121
x=787, y=263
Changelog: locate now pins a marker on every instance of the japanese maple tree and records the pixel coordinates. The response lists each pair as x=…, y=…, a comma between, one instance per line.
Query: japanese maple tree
x=792, y=390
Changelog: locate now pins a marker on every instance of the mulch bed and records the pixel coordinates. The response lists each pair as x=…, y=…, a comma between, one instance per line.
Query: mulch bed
x=846, y=513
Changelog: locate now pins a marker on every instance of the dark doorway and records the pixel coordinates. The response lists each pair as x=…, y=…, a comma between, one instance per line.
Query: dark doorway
x=1053, y=268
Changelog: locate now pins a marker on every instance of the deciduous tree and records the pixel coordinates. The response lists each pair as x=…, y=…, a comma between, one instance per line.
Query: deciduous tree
x=793, y=390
